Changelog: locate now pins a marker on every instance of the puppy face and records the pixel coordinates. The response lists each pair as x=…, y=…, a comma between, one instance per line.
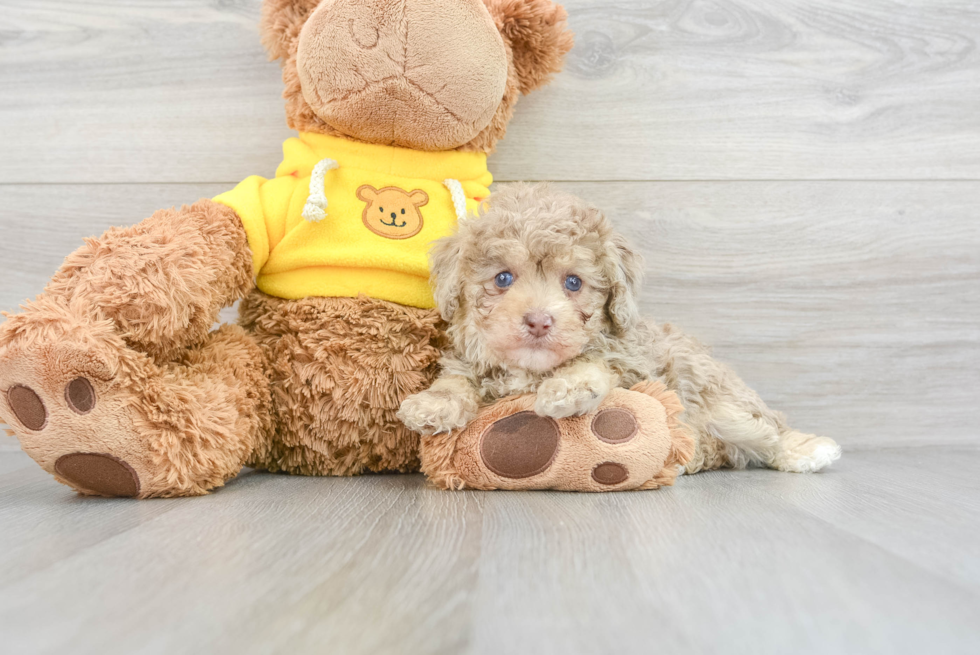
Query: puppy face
x=535, y=280
x=536, y=308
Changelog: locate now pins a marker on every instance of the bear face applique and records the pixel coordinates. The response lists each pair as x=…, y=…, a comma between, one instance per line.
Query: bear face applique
x=391, y=212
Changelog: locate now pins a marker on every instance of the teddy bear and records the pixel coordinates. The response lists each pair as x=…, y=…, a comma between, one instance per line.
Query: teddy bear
x=113, y=378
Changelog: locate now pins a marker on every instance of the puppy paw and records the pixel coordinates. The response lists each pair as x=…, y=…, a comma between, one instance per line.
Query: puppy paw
x=558, y=399
x=805, y=453
x=432, y=412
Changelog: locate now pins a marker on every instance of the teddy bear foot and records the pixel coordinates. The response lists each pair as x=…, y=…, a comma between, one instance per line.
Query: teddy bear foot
x=59, y=392
x=633, y=440
x=83, y=437
x=107, y=421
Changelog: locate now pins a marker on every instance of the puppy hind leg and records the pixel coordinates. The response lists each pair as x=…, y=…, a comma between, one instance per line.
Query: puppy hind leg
x=743, y=438
x=710, y=453
x=804, y=453
x=760, y=439
x=755, y=435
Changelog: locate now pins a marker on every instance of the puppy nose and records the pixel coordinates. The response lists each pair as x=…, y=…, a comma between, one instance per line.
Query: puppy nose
x=538, y=323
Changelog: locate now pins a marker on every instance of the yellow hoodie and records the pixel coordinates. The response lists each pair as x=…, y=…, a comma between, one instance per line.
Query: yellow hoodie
x=367, y=225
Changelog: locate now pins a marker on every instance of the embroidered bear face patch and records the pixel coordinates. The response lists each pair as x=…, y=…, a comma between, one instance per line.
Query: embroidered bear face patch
x=391, y=212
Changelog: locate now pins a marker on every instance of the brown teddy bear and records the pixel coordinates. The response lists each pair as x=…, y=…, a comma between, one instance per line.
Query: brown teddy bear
x=113, y=378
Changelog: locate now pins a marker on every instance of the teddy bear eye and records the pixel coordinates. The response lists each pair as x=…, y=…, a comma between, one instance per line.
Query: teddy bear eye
x=573, y=283
x=504, y=279
x=381, y=209
x=403, y=211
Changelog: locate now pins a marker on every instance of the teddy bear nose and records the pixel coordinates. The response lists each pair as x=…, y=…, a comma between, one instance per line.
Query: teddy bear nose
x=538, y=323
x=394, y=215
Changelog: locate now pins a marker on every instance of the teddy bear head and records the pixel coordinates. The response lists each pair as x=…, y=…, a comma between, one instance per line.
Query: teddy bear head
x=423, y=74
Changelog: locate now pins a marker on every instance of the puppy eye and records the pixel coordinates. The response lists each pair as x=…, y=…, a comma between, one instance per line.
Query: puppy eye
x=504, y=279
x=573, y=283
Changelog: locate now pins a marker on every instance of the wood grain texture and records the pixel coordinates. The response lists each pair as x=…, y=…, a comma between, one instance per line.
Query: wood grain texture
x=122, y=91
x=851, y=304
x=854, y=307
x=729, y=562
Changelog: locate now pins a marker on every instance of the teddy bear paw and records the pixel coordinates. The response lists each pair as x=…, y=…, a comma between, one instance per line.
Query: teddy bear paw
x=104, y=419
x=61, y=399
x=631, y=441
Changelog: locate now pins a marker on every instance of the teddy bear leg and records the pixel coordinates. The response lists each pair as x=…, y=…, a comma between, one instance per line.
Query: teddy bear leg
x=112, y=378
x=339, y=369
x=108, y=420
x=633, y=440
x=163, y=281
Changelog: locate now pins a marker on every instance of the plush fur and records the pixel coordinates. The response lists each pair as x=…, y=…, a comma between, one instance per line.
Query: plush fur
x=308, y=386
x=339, y=368
x=535, y=37
x=430, y=74
x=597, y=339
x=163, y=281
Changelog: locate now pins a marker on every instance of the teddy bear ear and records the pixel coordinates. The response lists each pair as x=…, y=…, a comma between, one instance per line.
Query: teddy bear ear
x=538, y=35
x=419, y=198
x=367, y=193
x=282, y=21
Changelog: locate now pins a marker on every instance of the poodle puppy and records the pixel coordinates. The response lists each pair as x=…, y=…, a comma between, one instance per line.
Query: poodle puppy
x=540, y=294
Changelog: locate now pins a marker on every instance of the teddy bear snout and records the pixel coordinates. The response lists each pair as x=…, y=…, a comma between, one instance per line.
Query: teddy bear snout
x=401, y=64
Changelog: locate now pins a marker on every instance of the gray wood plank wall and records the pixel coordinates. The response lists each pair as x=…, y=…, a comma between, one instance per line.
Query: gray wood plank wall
x=802, y=176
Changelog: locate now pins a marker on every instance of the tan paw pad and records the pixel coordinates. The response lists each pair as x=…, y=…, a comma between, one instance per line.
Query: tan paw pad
x=28, y=407
x=610, y=473
x=99, y=474
x=520, y=446
x=615, y=425
x=80, y=396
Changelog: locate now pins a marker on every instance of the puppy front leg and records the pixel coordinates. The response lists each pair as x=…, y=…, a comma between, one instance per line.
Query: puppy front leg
x=450, y=403
x=575, y=389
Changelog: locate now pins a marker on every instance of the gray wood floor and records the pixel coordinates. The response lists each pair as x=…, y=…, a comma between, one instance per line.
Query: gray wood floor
x=879, y=555
x=803, y=177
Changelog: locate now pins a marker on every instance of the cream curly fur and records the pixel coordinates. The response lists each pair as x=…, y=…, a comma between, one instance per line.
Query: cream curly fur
x=597, y=339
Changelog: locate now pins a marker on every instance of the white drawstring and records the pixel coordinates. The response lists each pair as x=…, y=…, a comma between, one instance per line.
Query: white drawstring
x=316, y=205
x=459, y=197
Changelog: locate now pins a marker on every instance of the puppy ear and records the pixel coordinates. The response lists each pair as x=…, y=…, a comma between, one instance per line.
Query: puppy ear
x=625, y=274
x=282, y=21
x=444, y=263
x=537, y=34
